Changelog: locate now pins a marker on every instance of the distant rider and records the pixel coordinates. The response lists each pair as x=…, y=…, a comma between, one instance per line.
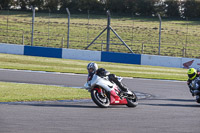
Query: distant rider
x=194, y=81
x=93, y=69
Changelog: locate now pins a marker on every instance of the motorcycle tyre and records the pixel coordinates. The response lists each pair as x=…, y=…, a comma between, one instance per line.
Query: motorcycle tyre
x=198, y=99
x=132, y=102
x=97, y=101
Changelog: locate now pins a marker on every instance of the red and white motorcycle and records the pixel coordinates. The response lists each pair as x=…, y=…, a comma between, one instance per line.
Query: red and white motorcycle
x=104, y=93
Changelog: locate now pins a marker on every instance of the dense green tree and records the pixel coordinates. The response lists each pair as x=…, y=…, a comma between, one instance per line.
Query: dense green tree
x=191, y=9
x=146, y=7
x=23, y=4
x=139, y=7
x=52, y=5
x=130, y=6
x=71, y=4
x=172, y=8
x=117, y=6
x=37, y=3
x=5, y=4
x=64, y=4
x=169, y=8
x=92, y=5
x=81, y=5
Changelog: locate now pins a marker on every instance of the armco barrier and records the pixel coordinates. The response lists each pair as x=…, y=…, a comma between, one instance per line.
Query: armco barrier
x=190, y=62
x=11, y=49
x=152, y=60
x=43, y=51
x=121, y=58
x=164, y=61
x=81, y=54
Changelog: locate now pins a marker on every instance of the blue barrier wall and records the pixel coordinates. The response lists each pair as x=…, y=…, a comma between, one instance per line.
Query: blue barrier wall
x=43, y=51
x=152, y=60
x=121, y=58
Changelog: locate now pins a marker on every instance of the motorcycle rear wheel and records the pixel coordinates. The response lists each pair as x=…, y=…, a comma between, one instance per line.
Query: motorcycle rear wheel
x=132, y=102
x=102, y=102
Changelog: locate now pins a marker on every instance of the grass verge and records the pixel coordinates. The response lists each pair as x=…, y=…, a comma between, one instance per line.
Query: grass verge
x=13, y=92
x=78, y=66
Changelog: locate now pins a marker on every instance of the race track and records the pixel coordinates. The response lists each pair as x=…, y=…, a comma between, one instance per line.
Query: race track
x=171, y=109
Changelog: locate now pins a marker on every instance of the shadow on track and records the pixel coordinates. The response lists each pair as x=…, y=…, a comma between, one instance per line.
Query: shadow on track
x=173, y=104
x=176, y=100
x=63, y=105
x=75, y=105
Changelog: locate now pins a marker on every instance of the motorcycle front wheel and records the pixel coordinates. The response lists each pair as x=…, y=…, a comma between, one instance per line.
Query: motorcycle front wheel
x=132, y=100
x=101, y=101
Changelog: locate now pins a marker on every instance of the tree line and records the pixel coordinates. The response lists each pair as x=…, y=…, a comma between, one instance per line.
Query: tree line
x=166, y=8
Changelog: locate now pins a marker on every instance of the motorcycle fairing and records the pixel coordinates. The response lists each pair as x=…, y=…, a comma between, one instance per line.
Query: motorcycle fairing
x=106, y=84
x=115, y=99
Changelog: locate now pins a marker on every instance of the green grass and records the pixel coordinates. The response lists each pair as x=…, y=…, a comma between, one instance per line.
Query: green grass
x=79, y=66
x=10, y=92
x=14, y=92
x=176, y=34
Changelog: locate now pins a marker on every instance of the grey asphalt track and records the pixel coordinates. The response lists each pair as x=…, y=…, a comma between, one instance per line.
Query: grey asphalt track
x=172, y=109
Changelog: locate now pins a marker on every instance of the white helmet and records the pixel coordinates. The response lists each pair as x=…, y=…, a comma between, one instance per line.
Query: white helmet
x=93, y=66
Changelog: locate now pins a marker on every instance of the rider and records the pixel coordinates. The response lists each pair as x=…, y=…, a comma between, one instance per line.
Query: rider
x=193, y=74
x=93, y=69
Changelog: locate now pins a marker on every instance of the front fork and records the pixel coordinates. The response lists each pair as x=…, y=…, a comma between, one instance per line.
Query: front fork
x=101, y=92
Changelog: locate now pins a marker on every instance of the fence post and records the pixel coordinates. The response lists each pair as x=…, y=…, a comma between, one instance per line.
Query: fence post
x=33, y=20
x=101, y=45
x=68, y=27
x=49, y=25
x=22, y=37
x=62, y=42
x=142, y=48
x=159, y=34
x=108, y=28
x=88, y=26
x=132, y=29
x=186, y=33
x=183, y=51
x=108, y=31
x=7, y=26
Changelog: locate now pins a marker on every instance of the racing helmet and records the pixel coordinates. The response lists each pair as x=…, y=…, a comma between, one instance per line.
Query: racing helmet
x=192, y=73
x=92, y=66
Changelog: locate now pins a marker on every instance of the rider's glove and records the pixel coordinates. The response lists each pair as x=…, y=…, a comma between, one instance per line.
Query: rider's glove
x=89, y=83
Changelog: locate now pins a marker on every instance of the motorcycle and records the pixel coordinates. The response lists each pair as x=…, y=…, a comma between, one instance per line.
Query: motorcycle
x=105, y=93
x=195, y=88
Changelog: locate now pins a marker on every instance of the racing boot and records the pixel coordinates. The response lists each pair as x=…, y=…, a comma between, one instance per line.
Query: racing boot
x=127, y=92
x=124, y=89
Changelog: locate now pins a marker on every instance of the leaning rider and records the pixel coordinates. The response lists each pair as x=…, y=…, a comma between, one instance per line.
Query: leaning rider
x=194, y=81
x=93, y=69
